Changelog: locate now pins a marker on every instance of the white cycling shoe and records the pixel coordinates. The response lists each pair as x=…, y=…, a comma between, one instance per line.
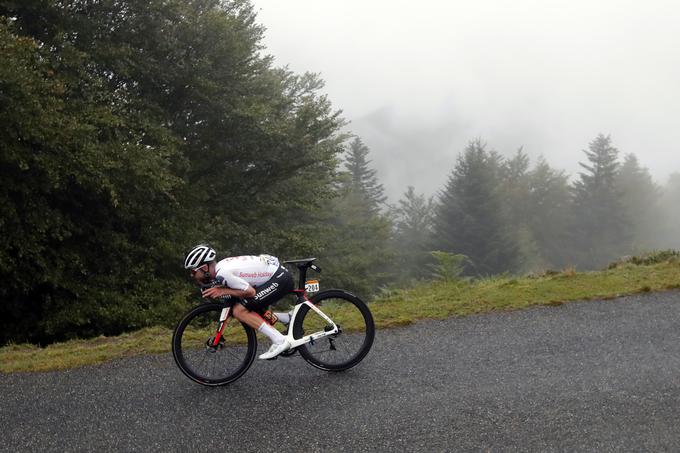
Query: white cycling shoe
x=275, y=350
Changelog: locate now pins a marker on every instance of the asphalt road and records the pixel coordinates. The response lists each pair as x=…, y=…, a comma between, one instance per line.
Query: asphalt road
x=585, y=376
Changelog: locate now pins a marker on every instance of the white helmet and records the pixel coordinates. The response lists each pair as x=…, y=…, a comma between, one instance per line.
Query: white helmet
x=198, y=256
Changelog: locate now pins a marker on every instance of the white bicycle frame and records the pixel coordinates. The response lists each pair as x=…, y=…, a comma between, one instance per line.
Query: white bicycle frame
x=293, y=342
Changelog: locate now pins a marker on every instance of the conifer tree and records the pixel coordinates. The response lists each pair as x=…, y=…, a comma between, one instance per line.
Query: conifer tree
x=549, y=214
x=669, y=236
x=516, y=187
x=357, y=250
x=361, y=179
x=413, y=233
x=600, y=226
x=640, y=197
x=469, y=218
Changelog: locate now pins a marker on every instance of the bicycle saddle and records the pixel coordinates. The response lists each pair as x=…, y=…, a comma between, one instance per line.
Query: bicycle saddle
x=304, y=262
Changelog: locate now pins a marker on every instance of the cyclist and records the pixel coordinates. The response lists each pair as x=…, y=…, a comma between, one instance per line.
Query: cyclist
x=258, y=281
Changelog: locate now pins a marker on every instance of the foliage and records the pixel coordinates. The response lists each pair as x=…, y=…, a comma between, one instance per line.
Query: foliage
x=640, y=200
x=656, y=257
x=449, y=266
x=361, y=180
x=516, y=187
x=357, y=235
x=412, y=238
x=131, y=131
x=469, y=218
x=85, y=194
x=601, y=230
x=668, y=234
x=548, y=215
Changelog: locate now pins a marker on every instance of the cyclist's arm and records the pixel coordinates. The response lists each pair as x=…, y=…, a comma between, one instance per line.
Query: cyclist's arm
x=231, y=286
x=218, y=291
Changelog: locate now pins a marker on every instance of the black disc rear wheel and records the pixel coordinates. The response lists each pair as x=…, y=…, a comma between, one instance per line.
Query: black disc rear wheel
x=350, y=345
x=208, y=362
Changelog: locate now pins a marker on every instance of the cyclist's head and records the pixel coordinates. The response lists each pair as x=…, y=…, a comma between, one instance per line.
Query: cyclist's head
x=198, y=256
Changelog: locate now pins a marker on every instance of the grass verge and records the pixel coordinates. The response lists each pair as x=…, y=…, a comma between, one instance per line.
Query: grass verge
x=435, y=300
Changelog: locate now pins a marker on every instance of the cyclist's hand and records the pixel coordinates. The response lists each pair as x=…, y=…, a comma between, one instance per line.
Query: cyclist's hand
x=215, y=291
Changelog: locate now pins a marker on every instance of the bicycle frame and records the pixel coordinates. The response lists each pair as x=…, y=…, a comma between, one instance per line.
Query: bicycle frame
x=314, y=336
x=302, y=299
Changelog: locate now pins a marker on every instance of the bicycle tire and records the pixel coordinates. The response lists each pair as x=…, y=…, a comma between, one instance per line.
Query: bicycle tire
x=347, y=348
x=194, y=354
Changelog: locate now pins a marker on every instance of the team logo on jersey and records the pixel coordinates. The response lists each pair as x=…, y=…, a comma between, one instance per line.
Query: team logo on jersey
x=255, y=274
x=266, y=291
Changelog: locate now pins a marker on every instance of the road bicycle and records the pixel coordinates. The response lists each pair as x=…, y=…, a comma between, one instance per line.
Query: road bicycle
x=333, y=330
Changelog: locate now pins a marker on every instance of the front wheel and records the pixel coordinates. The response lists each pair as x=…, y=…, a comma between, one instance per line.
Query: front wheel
x=350, y=345
x=210, y=362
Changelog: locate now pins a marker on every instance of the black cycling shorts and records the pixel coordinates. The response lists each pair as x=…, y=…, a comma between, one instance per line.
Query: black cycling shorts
x=270, y=291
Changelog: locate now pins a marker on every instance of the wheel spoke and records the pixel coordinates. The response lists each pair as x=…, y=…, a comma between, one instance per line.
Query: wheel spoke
x=204, y=362
x=350, y=345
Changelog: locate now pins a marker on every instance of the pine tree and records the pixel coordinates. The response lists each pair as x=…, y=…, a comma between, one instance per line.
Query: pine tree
x=516, y=187
x=669, y=236
x=469, y=218
x=357, y=241
x=640, y=198
x=412, y=238
x=601, y=230
x=549, y=214
x=361, y=179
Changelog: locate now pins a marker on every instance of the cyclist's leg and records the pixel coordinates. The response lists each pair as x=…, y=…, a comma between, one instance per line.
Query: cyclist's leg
x=271, y=291
x=250, y=318
x=266, y=294
x=250, y=310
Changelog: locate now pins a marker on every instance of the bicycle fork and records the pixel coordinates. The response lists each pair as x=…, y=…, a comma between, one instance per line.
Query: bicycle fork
x=220, y=327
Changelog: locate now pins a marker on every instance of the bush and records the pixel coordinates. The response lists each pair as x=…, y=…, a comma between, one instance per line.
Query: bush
x=449, y=266
x=646, y=259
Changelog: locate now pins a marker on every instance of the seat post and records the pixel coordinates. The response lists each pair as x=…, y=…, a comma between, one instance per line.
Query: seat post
x=303, y=265
x=303, y=276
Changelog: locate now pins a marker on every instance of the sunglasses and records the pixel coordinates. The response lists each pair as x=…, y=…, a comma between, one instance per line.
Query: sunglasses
x=203, y=269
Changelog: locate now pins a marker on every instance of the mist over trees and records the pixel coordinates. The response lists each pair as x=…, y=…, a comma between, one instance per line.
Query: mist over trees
x=470, y=219
x=130, y=131
x=534, y=219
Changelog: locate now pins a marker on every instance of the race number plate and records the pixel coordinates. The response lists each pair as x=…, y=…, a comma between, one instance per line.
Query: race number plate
x=312, y=286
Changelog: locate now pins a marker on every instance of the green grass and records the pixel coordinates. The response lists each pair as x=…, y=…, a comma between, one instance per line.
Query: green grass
x=435, y=300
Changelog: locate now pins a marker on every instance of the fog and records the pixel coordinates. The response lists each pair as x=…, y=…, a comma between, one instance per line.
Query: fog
x=419, y=81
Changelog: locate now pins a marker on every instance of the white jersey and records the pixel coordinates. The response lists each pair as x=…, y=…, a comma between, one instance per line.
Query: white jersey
x=240, y=272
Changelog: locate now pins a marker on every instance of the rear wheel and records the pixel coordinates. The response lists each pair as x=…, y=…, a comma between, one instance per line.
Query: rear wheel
x=208, y=362
x=350, y=345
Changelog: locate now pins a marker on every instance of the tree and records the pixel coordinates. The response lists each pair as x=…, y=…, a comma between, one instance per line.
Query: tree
x=361, y=179
x=86, y=190
x=601, y=231
x=413, y=218
x=469, y=218
x=135, y=130
x=640, y=199
x=358, y=235
x=669, y=234
x=549, y=214
x=516, y=189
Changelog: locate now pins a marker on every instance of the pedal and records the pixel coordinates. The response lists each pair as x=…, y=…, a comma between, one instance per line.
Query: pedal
x=288, y=353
